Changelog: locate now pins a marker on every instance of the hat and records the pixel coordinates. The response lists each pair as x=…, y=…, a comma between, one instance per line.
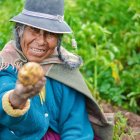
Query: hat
x=44, y=14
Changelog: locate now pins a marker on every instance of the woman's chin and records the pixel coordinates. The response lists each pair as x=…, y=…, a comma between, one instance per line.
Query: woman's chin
x=37, y=59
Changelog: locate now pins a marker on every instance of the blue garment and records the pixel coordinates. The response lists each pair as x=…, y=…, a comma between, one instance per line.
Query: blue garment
x=64, y=111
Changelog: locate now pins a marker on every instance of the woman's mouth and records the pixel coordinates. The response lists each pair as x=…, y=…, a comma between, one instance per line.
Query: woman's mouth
x=37, y=52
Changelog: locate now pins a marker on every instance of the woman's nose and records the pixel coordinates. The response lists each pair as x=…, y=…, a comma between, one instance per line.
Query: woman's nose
x=41, y=38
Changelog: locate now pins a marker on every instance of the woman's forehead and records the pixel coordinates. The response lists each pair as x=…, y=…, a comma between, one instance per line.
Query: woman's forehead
x=27, y=26
x=38, y=29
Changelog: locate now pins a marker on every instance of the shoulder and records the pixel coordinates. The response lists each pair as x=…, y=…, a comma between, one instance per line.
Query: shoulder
x=71, y=78
x=9, y=70
x=62, y=73
x=57, y=86
x=63, y=91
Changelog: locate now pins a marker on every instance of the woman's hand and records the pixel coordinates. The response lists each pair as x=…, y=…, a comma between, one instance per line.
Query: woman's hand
x=22, y=93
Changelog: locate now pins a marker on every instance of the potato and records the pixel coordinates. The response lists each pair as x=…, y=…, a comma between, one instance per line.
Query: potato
x=30, y=73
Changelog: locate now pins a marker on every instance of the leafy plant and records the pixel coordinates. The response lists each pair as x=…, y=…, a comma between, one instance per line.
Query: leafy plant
x=121, y=130
x=8, y=10
x=109, y=42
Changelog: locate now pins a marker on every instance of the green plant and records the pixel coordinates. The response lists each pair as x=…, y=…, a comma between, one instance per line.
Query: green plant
x=121, y=130
x=109, y=42
x=8, y=10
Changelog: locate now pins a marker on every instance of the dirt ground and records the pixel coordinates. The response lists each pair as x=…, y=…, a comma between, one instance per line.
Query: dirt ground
x=133, y=120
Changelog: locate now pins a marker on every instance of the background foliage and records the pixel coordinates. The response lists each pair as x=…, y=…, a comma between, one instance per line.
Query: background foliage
x=108, y=37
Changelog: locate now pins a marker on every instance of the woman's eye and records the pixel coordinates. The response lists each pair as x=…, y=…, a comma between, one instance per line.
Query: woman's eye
x=50, y=35
x=35, y=30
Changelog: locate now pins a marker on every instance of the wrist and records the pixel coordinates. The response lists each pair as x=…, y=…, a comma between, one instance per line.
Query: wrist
x=8, y=108
x=16, y=101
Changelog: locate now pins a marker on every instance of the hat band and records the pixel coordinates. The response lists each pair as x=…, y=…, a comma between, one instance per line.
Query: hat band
x=42, y=15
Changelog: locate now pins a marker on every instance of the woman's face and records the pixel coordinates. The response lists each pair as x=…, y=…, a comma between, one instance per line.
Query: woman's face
x=37, y=44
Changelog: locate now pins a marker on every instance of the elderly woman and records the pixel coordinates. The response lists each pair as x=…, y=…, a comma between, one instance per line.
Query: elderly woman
x=68, y=110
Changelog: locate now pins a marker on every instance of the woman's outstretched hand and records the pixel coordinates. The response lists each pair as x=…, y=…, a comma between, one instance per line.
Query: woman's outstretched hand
x=30, y=81
x=22, y=93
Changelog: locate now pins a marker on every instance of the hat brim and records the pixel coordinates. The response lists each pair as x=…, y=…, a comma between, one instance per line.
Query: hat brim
x=43, y=23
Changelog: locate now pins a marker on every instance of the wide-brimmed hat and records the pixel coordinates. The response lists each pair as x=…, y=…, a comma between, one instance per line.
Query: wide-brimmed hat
x=44, y=14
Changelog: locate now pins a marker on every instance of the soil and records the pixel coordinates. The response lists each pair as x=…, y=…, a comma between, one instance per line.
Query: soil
x=133, y=120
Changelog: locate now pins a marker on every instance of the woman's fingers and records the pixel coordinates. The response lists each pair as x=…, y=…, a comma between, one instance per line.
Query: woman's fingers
x=39, y=85
x=30, y=90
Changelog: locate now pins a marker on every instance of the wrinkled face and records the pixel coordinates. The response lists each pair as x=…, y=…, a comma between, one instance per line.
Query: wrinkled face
x=37, y=44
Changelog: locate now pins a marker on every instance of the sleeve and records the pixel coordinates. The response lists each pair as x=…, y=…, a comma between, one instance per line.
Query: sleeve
x=19, y=124
x=74, y=122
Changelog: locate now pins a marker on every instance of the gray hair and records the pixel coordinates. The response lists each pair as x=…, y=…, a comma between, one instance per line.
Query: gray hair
x=18, y=33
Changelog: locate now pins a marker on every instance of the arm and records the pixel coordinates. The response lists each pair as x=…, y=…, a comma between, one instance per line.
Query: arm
x=74, y=122
x=20, y=124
